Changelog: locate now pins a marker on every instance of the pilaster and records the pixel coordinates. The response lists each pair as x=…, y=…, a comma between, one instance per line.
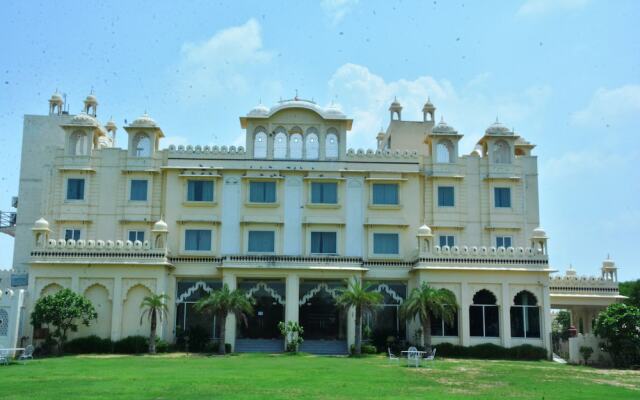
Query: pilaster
x=230, y=333
x=505, y=316
x=464, y=313
x=116, y=313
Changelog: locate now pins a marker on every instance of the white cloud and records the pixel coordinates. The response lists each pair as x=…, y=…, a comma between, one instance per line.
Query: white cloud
x=222, y=63
x=366, y=97
x=609, y=105
x=540, y=7
x=336, y=10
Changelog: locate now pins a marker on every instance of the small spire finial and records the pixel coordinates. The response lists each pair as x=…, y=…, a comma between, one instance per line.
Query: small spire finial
x=91, y=92
x=497, y=120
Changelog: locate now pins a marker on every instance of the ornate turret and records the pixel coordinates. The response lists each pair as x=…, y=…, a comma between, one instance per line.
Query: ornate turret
x=56, y=104
x=609, y=270
x=425, y=240
x=396, y=110
x=428, y=111
x=91, y=104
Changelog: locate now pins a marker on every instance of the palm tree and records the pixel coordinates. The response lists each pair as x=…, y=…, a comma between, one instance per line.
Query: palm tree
x=425, y=301
x=154, y=308
x=224, y=302
x=359, y=296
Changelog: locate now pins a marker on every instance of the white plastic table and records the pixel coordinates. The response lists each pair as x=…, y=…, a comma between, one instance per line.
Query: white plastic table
x=12, y=350
x=418, y=358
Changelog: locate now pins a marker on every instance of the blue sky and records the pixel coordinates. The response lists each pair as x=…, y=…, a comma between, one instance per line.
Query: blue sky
x=564, y=73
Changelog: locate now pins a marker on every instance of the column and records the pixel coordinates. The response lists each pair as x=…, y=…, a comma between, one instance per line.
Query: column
x=545, y=329
x=116, y=309
x=292, y=307
x=351, y=323
x=229, y=279
x=505, y=316
x=465, y=332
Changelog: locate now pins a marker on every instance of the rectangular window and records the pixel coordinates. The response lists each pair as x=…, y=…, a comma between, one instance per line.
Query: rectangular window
x=136, y=235
x=197, y=240
x=199, y=190
x=386, y=243
x=324, y=192
x=447, y=240
x=385, y=193
x=446, y=196
x=323, y=242
x=503, y=241
x=72, y=234
x=502, y=197
x=262, y=192
x=75, y=189
x=138, y=190
x=261, y=241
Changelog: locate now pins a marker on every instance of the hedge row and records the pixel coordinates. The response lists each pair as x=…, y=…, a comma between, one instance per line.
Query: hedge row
x=490, y=351
x=128, y=345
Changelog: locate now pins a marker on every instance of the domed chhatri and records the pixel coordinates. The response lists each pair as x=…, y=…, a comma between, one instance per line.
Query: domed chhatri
x=144, y=121
x=160, y=226
x=424, y=230
x=83, y=119
x=428, y=106
x=259, y=110
x=539, y=233
x=333, y=109
x=443, y=127
x=111, y=125
x=56, y=97
x=91, y=98
x=41, y=224
x=498, y=128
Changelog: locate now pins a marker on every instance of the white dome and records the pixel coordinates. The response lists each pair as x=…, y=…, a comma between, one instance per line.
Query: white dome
x=144, y=121
x=41, y=224
x=539, y=233
x=443, y=127
x=570, y=271
x=111, y=125
x=160, y=226
x=395, y=104
x=83, y=119
x=497, y=128
x=424, y=230
x=428, y=105
x=259, y=110
x=91, y=99
x=56, y=97
x=477, y=151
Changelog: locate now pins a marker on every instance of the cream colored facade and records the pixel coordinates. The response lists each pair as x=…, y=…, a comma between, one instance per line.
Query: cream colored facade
x=287, y=217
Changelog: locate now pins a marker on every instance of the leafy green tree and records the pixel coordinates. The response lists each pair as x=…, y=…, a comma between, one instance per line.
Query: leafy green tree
x=155, y=308
x=364, y=300
x=425, y=301
x=631, y=289
x=224, y=302
x=63, y=311
x=619, y=326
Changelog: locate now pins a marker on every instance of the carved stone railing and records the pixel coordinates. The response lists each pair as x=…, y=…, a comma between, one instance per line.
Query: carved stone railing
x=382, y=155
x=583, y=285
x=224, y=152
x=97, y=249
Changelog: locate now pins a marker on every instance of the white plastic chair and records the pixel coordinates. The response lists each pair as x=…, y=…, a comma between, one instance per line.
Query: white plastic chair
x=413, y=357
x=27, y=354
x=392, y=357
x=4, y=357
x=431, y=356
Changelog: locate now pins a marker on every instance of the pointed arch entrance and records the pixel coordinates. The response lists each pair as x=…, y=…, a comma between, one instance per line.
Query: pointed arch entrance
x=320, y=316
x=269, y=297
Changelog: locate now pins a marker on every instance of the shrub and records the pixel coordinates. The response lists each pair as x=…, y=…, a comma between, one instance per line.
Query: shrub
x=490, y=351
x=212, y=347
x=162, y=346
x=89, y=345
x=365, y=349
x=618, y=326
x=131, y=345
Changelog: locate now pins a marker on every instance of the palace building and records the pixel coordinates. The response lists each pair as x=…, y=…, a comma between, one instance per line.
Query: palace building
x=288, y=218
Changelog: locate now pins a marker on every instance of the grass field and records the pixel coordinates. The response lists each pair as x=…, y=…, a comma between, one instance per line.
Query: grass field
x=254, y=376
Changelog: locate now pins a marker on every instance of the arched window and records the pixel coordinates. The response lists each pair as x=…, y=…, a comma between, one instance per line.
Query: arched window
x=142, y=145
x=525, y=316
x=501, y=153
x=311, y=145
x=260, y=145
x=331, y=144
x=280, y=145
x=440, y=327
x=484, y=318
x=295, y=146
x=78, y=144
x=444, y=152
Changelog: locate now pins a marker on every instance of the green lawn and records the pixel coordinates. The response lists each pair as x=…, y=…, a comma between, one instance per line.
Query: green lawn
x=256, y=376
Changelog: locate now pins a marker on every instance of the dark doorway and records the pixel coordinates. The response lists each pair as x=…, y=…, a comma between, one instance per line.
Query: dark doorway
x=321, y=318
x=268, y=311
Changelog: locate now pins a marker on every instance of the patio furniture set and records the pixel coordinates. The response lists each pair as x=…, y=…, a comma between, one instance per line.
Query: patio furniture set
x=7, y=354
x=414, y=356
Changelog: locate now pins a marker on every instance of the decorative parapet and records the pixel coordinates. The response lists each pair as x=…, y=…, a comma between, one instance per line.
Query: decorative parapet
x=483, y=257
x=224, y=152
x=81, y=250
x=379, y=155
x=282, y=261
x=583, y=285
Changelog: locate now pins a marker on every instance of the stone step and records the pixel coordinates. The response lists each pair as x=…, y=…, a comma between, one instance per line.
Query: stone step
x=259, y=346
x=325, y=347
